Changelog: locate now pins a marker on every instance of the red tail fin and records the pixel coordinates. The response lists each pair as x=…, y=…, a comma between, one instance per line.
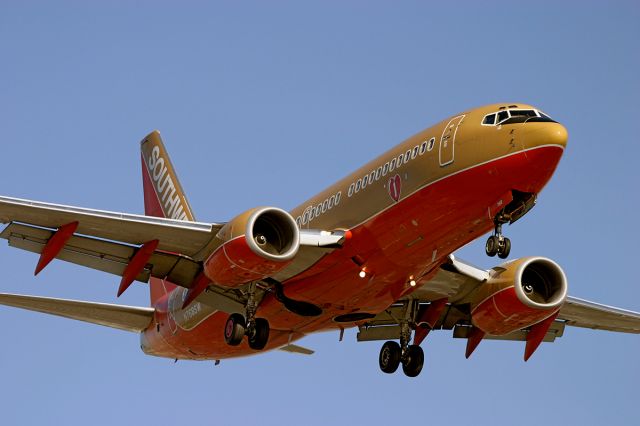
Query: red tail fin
x=163, y=194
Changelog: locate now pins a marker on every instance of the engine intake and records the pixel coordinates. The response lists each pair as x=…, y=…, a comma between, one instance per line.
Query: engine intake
x=541, y=283
x=519, y=294
x=254, y=245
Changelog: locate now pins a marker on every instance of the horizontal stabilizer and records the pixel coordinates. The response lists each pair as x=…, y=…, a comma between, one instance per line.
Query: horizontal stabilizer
x=297, y=350
x=128, y=318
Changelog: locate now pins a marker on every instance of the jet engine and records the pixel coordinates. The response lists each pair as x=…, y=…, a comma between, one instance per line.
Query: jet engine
x=254, y=245
x=519, y=294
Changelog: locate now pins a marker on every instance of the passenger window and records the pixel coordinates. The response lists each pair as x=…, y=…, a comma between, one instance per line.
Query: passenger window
x=489, y=119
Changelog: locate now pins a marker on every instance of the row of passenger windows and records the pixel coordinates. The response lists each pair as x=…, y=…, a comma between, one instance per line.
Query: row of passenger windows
x=390, y=166
x=509, y=116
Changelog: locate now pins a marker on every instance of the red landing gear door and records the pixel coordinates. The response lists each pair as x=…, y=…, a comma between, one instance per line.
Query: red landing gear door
x=499, y=204
x=447, y=141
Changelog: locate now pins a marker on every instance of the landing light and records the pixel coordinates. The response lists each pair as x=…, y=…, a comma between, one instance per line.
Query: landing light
x=412, y=281
x=362, y=273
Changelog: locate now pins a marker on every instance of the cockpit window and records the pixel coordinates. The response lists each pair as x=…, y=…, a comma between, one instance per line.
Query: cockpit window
x=522, y=113
x=502, y=115
x=511, y=116
x=518, y=116
x=489, y=119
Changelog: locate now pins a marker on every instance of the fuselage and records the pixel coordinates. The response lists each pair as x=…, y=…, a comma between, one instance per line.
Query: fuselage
x=406, y=211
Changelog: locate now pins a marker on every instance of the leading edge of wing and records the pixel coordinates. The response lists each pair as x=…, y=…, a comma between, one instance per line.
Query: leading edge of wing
x=584, y=313
x=178, y=236
x=128, y=318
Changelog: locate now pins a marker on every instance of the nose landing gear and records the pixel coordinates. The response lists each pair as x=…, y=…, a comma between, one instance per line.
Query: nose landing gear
x=498, y=244
x=520, y=205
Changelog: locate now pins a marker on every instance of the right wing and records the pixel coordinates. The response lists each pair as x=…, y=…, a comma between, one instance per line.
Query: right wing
x=107, y=241
x=187, y=238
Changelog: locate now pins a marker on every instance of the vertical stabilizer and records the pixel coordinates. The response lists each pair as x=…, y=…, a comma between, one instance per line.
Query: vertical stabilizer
x=163, y=195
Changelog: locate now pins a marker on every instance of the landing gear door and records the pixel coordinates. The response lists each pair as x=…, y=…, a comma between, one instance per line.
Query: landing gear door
x=447, y=141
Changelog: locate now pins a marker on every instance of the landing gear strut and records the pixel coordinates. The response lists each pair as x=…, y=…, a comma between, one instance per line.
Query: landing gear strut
x=520, y=205
x=498, y=243
x=393, y=354
x=238, y=326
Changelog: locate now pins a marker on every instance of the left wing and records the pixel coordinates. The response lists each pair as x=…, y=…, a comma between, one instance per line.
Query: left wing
x=582, y=313
x=456, y=279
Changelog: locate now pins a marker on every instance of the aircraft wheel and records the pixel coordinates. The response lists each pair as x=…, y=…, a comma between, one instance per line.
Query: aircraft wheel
x=504, y=251
x=258, y=340
x=389, y=359
x=234, y=329
x=412, y=366
x=492, y=245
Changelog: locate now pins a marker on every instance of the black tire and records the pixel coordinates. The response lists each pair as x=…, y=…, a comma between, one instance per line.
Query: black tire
x=492, y=245
x=234, y=329
x=505, y=249
x=260, y=335
x=412, y=366
x=389, y=358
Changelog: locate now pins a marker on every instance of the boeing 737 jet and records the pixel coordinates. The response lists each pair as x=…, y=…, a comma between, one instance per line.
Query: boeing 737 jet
x=373, y=251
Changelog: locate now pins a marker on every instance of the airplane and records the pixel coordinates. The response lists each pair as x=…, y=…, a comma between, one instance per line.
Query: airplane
x=373, y=251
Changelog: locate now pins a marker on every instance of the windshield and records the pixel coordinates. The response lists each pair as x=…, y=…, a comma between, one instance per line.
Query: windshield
x=511, y=116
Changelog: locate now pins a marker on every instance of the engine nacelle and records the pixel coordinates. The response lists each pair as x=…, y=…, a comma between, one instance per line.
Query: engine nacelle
x=254, y=245
x=519, y=294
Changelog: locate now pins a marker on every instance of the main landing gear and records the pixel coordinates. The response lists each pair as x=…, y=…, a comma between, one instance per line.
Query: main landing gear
x=498, y=243
x=392, y=353
x=238, y=326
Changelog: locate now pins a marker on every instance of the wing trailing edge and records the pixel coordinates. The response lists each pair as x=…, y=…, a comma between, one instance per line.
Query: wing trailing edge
x=128, y=318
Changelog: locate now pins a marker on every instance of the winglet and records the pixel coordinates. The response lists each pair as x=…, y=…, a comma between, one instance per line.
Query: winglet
x=55, y=244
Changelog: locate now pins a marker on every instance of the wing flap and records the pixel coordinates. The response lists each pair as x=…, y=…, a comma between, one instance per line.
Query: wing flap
x=583, y=313
x=187, y=238
x=128, y=318
x=106, y=256
x=555, y=330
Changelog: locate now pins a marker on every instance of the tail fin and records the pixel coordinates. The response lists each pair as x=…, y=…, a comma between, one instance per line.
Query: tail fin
x=163, y=195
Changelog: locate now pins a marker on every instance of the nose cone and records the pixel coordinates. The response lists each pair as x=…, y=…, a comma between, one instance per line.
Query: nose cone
x=539, y=134
x=557, y=134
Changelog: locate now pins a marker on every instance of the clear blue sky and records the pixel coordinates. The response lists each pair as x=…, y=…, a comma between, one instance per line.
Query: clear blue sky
x=266, y=103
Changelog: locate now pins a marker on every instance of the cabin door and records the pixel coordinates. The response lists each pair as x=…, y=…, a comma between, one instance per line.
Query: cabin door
x=447, y=141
